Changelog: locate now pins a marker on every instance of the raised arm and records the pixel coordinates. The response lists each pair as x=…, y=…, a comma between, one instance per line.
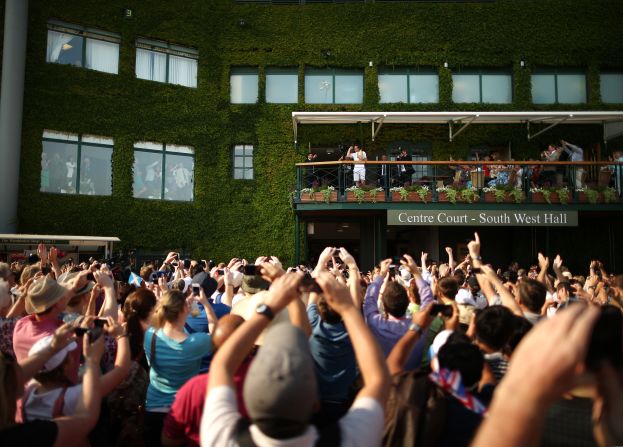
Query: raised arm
x=324, y=257
x=353, y=277
x=402, y=350
x=109, y=308
x=210, y=314
x=542, y=276
x=369, y=357
x=115, y=376
x=451, y=261
x=426, y=294
x=507, y=298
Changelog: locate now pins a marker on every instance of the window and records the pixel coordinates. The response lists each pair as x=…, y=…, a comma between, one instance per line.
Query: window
x=243, y=83
x=165, y=62
x=611, y=88
x=482, y=86
x=83, y=47
x=558, y=87
x=76, y=164
x=282, y=85
x=409, y=86
x=243, y=161
x=333, y=86
x=175, y=182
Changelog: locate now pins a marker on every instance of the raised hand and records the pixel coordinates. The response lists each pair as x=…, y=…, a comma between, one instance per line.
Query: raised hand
x=337, y=294
x=283, y=290
x=474, y=246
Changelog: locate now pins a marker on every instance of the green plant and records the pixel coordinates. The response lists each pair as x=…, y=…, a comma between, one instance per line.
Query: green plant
x=517, y=194
x=422, y=192
x=592, y=195
x=360, y=192
x=563, y=195
x=469, y=195
x=610, y=195
x=498, y=192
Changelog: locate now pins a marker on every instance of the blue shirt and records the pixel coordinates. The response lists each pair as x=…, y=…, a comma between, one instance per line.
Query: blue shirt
x=175, y=363
x=334, y=357
x=200, y=324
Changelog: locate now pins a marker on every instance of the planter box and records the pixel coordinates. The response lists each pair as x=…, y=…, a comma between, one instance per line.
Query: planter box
x=490, y=197
x=411, y=197
x=317, y=197
x=443, y=197
x=582, y=198
x=537, y=197
x=379, y=197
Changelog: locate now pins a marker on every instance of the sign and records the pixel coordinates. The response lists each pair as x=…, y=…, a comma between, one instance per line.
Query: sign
x=484, y=218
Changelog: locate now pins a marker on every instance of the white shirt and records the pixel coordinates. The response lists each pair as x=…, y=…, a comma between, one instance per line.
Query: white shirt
x=41, y=405
x=362, y=426
x=356, y=157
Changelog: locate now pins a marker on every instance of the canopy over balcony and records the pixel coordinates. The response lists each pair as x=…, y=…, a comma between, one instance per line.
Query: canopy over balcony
x=612, y=121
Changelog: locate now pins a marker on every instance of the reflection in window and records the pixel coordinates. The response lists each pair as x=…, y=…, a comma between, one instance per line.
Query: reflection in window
x=282, y=85
x=243, y=162
x=175, y=182
x=164, y=62
x=482, y=87
x=409, y=86
x=73, y=164
x=243, y=83
x=553, y=87
x=611, y=85
x=82, y=47
x=333, y=86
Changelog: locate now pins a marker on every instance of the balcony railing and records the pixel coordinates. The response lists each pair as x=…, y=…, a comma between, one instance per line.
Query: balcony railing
x=462, y=181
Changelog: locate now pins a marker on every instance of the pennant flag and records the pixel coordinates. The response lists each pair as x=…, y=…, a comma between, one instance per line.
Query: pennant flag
x=135, y=279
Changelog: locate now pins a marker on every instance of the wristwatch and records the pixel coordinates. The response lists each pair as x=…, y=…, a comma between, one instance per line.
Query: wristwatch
x=416, y=328
x=477, y=258
x=264, y=310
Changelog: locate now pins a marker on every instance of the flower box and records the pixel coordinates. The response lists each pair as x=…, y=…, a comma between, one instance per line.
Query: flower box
x=318, y=197
x=442, y=196
x=538, y=197
x=582, y=197
x=377, y=196
x=412, y=196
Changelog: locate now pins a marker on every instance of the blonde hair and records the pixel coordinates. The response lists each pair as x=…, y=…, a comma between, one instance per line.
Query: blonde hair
x=169, y=308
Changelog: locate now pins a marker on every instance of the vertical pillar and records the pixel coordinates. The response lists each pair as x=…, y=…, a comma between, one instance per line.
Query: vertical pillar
x=11, y=105
x=297, y=242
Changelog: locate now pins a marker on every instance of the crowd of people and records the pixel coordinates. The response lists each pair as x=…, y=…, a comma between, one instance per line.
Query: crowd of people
x=428, y=353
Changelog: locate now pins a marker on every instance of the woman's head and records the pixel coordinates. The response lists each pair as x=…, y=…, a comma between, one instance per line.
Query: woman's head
x=137, y=312
x=171, y=305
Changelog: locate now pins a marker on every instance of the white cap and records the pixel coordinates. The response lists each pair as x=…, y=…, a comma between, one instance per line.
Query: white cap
x=57, y=358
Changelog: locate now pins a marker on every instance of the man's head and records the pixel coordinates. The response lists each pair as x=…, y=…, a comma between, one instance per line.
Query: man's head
x=463, y=357
x=532, y=295
x=395, y=299
x=564, y=291
x=44, y=297
x=494, y=326
x=225, y=326
x=327, y=314
x=280, y=389
x=448, y=288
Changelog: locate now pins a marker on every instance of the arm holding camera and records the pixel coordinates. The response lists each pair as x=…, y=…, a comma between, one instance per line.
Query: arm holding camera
x=544, y=366
x=370, y=307
x=210, y=314
x=397, y=359
x=109, y=308
x=426, y=294
x=115, y=376
x=323, y=259
x=353, y=277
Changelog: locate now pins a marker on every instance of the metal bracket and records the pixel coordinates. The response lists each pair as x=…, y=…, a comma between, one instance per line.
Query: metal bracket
x=296, y=128
x=554, y=124
x=465, y=126
x=380, y=124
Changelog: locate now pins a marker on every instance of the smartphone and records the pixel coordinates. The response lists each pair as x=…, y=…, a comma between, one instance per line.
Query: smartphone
x=443, y=309
x=186, y=264
x=100, y=322
x=90, y=277
x=392, y=271
x=309, y=284
x=174, y=263
x=476, y=270
x=204, y=263
x=80, y=331
x=153, y=277
x=250, y=269
x=211, y=264
x=196, y=289
x=94, y=333
x=221, y=272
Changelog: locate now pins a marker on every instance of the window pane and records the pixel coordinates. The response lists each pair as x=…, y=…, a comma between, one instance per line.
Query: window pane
x=95, y=170
x=238, y=162
x=282, y=86
x=97, y=139
x=248, y=174
x=148, y=145
x=244, y=87
x=147, y=175
x=424, y=88
x=151, y=65
x=60, y=135
x=238, y=150
x=393, y=87
x=248, y=162
x=102, y=56
x=248, y=150
x=182, y=71
x=318, y=87
x=465, y=88
x=239, y=173
x=64, y=48
x=611, y=87
x=497, y=89
x=179, y=149
x=571, y=88
x=543, y=89
x=178, y=183
x=58, y=167
x=348, y=89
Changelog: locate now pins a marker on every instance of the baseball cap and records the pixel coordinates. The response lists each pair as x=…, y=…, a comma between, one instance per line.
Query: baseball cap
x=54, y=361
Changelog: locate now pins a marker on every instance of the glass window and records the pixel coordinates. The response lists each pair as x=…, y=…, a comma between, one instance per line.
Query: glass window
x=175, y=182
x=243, y=162
x=73, y=164
x=482, y=87
x=556, y=87
x=611, y=87
x=408, y=86
x=282, y=85
x=243, y=83
x=331, y=86
x=82, y=47
x=164, y=62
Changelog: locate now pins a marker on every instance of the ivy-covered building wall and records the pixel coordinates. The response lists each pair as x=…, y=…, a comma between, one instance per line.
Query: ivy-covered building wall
x=253, y=217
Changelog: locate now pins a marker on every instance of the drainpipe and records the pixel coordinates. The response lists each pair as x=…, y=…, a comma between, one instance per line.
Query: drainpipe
x=11, y=106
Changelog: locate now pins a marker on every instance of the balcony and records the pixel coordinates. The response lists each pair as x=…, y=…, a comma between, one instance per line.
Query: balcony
x=435, y=184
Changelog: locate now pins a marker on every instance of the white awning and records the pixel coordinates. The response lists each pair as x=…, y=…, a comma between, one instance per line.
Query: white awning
x=611, y=121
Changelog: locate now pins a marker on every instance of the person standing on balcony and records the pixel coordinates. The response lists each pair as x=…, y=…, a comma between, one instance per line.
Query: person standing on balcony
x=359, y=170
x=575, y=153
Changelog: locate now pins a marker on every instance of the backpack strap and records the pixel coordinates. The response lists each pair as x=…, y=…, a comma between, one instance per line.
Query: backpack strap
x=242, y=434
x=29, y=390
x=57, y=411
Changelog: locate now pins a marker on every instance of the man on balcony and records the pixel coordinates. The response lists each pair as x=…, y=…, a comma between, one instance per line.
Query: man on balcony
x=575, y=154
